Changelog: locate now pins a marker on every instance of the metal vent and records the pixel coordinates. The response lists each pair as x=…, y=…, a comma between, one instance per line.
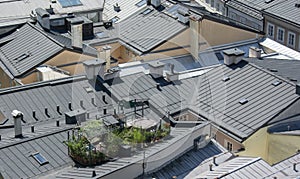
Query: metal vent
x=276, y=83
x=226, y=78
x=243, y=101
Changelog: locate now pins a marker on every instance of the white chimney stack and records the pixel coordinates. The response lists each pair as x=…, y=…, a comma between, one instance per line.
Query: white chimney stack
x=155, y=3
x=156, y=69
x=106, y=49
x=93, y=68
x=254, y=52
x=17, y=115
x=194, y=36
x=233, y=56
x=76, y=31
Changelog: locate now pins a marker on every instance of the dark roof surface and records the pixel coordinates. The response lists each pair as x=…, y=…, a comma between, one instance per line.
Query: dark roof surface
x=146, y=31
x=29, y=48
x=17, y=160
x=289, y=69
x=183, y=165
x=286, y=10
x=211, y=97
x=38, y=96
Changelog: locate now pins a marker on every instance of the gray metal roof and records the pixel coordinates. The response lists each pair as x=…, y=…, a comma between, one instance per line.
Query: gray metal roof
x=38, y=96
x=185, y=164
x=286, y=167
x=29, y=48
x=211, y=97
x=286, y=10
x=240, y=167
x=17, y=160
x=289, y=69
x=146, y=31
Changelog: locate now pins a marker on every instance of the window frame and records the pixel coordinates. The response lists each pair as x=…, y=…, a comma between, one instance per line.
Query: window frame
x=283, y=34
x=228, y=145
x=288, y=39
x=273, y=26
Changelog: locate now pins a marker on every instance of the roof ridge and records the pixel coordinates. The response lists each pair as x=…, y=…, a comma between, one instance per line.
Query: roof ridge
x=41, y=84
x=36, y=137
x=270, y=73
x=46, y=35
x=243, y=166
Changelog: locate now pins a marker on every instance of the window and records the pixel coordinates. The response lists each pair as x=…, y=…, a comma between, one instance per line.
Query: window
x=223, y=10
x=243, y=20
x=291, y=39
x=69, y=3
x=141, y=3
x=39, y=158
x=270, y=31
x=233, y=15
x=212, y=3
x=280, y=34
x=228, y=145
x=217, y=6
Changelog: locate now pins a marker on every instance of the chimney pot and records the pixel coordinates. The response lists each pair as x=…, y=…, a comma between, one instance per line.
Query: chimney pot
x=156, y=69
x=58, y=109
x=46, y=112
x=0, y=137
x=214, y=161
x=158, y=86
x=34, y=115
x=57, y=123
x=32, y=129
x=93, y=102
x=94, y=173
x=87, y=115
x=104, y=99
x=210, y=167
x=70, y=106
x=104, y=110
x=295, y=167
x=81, y=103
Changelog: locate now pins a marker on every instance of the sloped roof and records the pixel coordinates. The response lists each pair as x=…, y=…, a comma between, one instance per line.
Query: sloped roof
x=29, y=48
x=36, y=97
x=286, y=10
x=211, y=97
x=240, y=167
x=185, y=164
x=17, y=160
x=145, y=31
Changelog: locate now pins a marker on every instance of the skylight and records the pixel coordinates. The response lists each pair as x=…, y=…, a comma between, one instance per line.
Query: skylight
x=69, y=3
x=141, y=3
x=40, y=158
x=147, y=11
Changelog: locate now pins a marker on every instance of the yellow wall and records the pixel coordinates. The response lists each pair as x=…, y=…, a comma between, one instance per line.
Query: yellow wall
x=282, y=147
x=273, y=148
x=215, y=33
x=256, y=145
x=5, y=80
x=68, y=57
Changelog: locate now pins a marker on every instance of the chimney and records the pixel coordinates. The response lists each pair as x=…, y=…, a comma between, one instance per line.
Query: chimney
x=17, y=115
x=254, y=52
x=107, y=52
x=172, y=76
x=194, y=36
x=156, y=3
x=76, y=33
x=233, y=56
x=183, y=15
x=156, y=69
x=93, y=68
